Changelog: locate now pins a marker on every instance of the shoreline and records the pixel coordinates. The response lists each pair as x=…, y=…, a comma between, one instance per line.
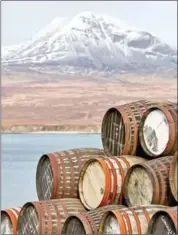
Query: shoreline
x=52, y=132
x=53, y=129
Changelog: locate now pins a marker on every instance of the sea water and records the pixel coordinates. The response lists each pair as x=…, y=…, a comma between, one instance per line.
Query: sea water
x=19, y=157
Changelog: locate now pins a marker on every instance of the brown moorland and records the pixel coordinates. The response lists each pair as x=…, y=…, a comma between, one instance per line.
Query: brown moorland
x=35, y=102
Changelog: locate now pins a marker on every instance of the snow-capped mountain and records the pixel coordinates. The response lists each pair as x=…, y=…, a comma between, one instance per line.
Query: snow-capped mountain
x=8, y=50
x=91, y=42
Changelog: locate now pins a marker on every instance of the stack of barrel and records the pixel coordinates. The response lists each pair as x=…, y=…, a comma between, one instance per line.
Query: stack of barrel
x=128, y=187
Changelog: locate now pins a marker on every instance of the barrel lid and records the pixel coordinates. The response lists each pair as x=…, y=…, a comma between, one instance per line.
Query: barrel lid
x=6, y=223
x=113, y=131
x=109, y=224
x=138, y=187
x=156, y=132
x=44, y=178
x=28, y=221
x=76, y=224
x=92, y=184
x=164, y=222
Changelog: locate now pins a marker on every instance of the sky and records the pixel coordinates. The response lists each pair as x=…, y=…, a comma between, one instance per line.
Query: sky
x=20, y=20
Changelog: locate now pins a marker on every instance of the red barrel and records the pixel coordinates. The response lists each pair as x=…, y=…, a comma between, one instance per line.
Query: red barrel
x=102, y=179
x=158, y=130
x=9, y=220
x=88, y=222
x=120, y=127
x=148, y=183
x=164, y=222
x=46, y=217
x=58, y=173
x=173, y=176
x=133, y=220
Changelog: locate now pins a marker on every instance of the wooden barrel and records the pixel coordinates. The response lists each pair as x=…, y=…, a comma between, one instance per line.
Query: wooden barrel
x=132, y=220
x=148, y=183
x=164, y=222
x=9, y=220
x=57, y=173
x=46, y=217
x=88, y=222
x=120, y=124
x=158, y=130
x=102, y=179
x=173, y=177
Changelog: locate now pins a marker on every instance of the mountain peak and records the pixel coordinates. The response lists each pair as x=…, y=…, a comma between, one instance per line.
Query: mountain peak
x=91, y=41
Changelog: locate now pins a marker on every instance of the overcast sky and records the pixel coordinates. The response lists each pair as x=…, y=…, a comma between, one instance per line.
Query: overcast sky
x=21, y=20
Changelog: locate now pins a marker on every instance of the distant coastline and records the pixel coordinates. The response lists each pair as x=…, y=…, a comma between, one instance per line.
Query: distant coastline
x=51, y=132
x=53, y=129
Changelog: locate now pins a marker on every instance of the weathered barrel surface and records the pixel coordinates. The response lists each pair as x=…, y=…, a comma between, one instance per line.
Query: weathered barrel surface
x=57, y=173
x=88, y=222
x=158, y=130
x=102, y=179
x=9, y=220
x=46, y=217
x=120, y=125
x=132, y=220
x=148, y=183
x=173, y=176
x=164, y=222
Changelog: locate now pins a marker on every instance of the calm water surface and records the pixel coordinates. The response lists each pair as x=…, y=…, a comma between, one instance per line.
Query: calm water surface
x=20, y=155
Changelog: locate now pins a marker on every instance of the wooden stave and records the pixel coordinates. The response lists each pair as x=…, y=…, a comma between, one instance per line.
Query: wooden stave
x=57, y=210
x=155, y=176
x=172, y=183
x=170, y=110
x=91, y=219
x=121, y=161
x=140, y=107
x=82, y=220
x=126, y=125
x=124, y=215
x=80, y=156
x=171, y=212
x=12, y=214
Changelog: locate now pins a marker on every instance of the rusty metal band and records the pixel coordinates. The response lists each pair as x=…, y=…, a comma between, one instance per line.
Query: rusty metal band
x=136, y=219
x=107, y=180
x=127, y=129
x=72, y=179
x=53, y=163
x=113, y=170
x=63, y=173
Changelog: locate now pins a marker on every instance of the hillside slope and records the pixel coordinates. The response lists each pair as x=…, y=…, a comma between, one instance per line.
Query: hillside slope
x=91, y=42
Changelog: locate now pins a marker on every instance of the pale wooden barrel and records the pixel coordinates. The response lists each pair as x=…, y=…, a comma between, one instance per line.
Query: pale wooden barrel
x=158, y=130
x=133, y=220
x=164, y=222
x=173, y=176
x=88, y=222
x=120, y=125
x=148, y=183
x=9, y=220
x=46, y=217
x=102, y=179
x=57, y=173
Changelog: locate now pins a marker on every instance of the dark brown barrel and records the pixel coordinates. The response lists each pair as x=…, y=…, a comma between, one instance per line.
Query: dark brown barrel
x=158, y=130
x=86, y=223
x=148, y=183
x=164, y=222
x=46, y=217
x=133, y=220
x=173, y=176
x=101, y=180
x=57, y=173
x=120, y=127
x=9, y=220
